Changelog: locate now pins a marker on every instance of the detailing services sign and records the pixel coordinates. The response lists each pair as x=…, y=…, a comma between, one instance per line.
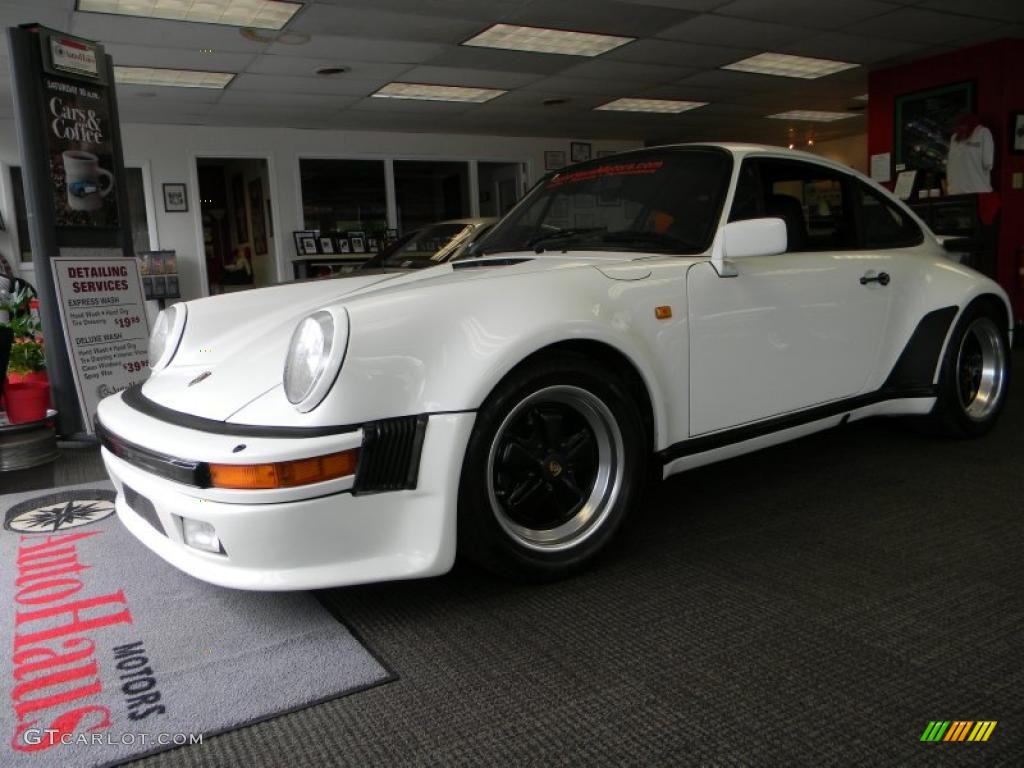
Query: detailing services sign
x=105, y=325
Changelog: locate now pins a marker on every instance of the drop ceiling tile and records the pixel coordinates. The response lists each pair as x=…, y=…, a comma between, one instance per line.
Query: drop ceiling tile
x=860, y=49
x=297, y=66
x=479, y=10
x=573, y=85
x=505, y=61
x=359, y=49
x=159, y=94
x=736, y=81
x=623, y=71
x=473, y=78
x=698, y=6
x=162, y=34
x=13, y=13
x=610, y=17
x=329, y=85
x=278, y=100
x=922, y=26
x=711, y=29
x=675, y=53
x=411, y=106
x=178, y=58
x=362, y=22
x=689, y=92
x=806, y=13
x=1004, y=10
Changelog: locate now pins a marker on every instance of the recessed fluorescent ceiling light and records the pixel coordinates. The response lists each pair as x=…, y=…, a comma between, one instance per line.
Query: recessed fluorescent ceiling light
x=662, y=106
x=811, y=115
x=262, y=14
x=182, y=78
x=436, y=92
x=784, y=65
x=541, y=40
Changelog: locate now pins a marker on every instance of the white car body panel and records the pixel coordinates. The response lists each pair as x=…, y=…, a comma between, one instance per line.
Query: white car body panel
x=790, y=333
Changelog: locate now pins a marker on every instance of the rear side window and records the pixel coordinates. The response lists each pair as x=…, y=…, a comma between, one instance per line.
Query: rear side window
x=883, y=224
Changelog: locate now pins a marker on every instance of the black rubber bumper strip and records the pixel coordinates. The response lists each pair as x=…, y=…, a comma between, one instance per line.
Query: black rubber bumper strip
x=134, y=399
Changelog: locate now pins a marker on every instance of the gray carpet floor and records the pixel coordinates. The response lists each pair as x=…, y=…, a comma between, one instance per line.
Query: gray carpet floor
x=814, y=604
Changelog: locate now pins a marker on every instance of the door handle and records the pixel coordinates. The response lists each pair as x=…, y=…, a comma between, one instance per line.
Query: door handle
x=882, y=278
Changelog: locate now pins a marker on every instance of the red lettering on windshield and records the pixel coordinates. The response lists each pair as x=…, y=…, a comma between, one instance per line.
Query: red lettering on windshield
x=615, y=169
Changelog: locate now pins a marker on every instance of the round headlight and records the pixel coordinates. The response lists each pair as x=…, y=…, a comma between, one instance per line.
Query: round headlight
x=166, y=334
x=314, y=356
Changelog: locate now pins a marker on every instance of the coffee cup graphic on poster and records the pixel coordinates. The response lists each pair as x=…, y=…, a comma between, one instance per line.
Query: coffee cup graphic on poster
x=87, y=183
x=81, y=139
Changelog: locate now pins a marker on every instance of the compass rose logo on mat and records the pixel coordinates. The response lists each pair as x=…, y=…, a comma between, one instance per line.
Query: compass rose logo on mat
x=60, y=511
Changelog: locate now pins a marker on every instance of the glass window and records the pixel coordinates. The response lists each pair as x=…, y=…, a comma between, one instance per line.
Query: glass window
x=21, y=214
x=659, y=201
x=423, y=247
x=883, y=224
x=430, y=191
x=343, y=195
x=811, y=199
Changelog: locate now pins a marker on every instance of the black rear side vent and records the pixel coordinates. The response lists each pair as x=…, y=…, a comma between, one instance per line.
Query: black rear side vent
x=390, y=456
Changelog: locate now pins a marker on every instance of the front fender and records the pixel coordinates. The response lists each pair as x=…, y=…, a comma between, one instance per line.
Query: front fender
x=446, y=347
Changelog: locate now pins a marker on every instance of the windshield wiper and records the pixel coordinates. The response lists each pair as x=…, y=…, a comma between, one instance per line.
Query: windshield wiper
x=646, y=236
x=561, y=234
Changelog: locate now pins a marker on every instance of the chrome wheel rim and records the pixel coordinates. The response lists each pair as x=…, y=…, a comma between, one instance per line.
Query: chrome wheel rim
x=555, y=468
x=981, y=369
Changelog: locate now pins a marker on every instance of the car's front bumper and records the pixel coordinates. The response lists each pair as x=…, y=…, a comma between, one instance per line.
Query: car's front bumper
x=301, y=538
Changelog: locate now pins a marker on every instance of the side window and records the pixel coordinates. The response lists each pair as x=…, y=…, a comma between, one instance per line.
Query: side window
x=812, y=200
x=883, y=224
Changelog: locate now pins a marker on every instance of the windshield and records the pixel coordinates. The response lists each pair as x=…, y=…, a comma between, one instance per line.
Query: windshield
x=424, y=247
x=660, y=201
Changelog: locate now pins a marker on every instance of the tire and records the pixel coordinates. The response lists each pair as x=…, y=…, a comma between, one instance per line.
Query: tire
x=556, y=460
x=975, y=375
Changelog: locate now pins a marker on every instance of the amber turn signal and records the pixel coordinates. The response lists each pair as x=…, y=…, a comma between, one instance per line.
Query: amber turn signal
x=663, y=312
x=285, y=474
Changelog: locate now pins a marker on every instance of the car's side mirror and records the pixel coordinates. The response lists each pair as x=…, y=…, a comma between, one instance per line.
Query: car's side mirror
x=742, y=239
x=754, y=237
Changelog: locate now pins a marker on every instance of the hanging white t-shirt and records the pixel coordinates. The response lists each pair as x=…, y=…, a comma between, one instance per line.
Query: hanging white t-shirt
x=969, y=165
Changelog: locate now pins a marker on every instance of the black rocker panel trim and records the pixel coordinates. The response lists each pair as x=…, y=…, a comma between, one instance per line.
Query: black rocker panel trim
x=920, y=357
x=778, y=424
x=134, y=398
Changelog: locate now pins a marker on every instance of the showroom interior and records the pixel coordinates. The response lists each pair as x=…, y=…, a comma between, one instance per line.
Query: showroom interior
x=851, y=597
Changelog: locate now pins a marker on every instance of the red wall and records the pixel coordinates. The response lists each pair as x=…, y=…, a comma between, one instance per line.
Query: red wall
x=998, y=73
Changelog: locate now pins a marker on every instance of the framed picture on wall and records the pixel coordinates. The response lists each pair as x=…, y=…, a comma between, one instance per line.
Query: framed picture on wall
x=326, y=245
x=309, y=246
x=1017, y=133
x=579, y=151
x=175, y=198
x=554, y=159
x=924, y=125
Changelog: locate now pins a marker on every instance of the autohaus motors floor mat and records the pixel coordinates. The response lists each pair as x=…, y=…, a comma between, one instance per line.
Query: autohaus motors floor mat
x=111, y=653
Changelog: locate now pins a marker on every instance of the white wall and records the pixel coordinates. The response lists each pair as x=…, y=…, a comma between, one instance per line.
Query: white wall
x=171, y=150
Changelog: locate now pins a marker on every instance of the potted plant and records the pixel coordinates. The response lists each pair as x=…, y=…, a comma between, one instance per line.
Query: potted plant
x=27, y=388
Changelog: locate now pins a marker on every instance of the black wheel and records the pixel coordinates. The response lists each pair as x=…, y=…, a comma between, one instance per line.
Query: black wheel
x=556, y=460
x=974, y=377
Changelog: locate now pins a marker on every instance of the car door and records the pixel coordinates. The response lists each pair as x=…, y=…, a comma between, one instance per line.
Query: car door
x=791, y=330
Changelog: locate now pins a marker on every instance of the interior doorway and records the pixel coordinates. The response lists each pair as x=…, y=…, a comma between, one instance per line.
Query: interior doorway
x=500, y=187
x=238, y=235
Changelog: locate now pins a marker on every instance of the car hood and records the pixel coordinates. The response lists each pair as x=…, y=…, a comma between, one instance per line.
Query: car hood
x=234, y=345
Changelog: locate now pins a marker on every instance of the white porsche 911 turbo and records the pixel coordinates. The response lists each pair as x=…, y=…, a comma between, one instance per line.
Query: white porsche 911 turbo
x=658, y=310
